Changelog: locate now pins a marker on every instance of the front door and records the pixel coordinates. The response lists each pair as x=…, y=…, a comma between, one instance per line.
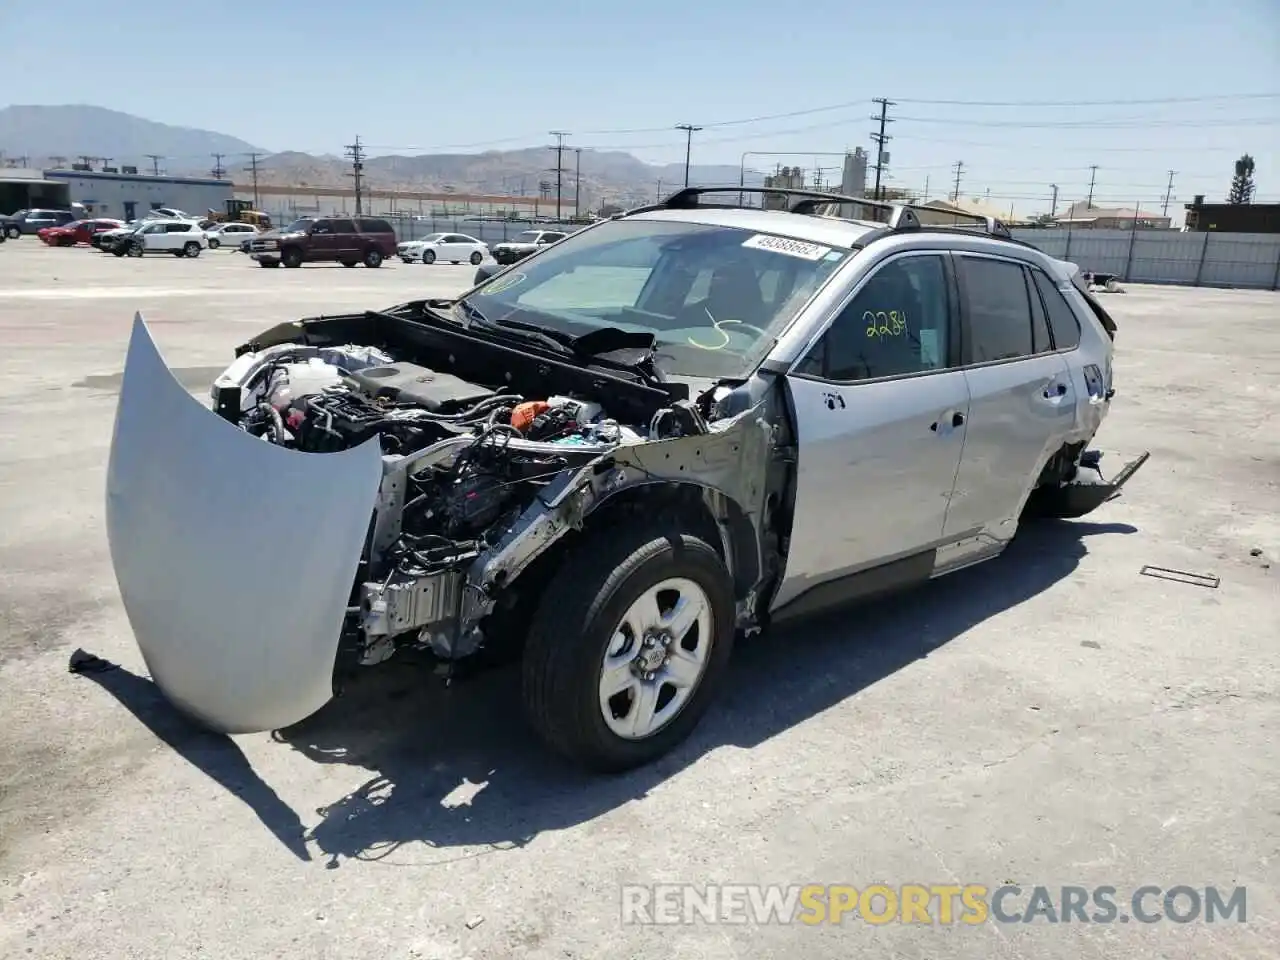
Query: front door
x=880, y=411
x=1022, y=402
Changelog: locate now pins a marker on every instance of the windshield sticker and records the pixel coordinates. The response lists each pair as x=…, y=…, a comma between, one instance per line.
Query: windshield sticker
x=504, y=283
x=792, y=248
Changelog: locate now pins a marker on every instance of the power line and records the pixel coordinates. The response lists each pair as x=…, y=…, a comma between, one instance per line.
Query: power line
x=881, y=138
x=689, y=130
x=355, y=151
x=559, y=148
x=1093, y=103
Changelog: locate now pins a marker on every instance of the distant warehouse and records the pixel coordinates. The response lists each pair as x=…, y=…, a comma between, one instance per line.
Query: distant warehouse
x=126, y=194
x=1233, y=217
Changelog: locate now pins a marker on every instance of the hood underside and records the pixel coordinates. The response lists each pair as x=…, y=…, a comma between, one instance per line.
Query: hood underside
x=236, y=628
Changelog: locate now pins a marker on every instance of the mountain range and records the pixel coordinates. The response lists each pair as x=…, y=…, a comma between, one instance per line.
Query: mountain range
x=41, y=136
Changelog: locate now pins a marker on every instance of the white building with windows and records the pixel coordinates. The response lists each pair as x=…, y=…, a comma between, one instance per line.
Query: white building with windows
x=127, y=196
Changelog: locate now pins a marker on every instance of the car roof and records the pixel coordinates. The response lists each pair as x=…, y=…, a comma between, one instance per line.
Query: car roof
x=829, y=231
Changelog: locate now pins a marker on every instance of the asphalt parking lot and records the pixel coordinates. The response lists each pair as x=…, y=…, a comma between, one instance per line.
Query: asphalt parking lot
x=1052, y=718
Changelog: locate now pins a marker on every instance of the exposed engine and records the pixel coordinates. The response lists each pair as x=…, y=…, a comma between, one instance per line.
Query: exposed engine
x=449, y=508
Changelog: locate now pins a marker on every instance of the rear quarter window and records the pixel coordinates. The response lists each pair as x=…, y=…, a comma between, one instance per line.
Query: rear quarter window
x=375, y=226
x=1062, y=319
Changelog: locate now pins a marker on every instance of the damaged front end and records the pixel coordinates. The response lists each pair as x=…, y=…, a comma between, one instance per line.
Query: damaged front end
x=379, y=481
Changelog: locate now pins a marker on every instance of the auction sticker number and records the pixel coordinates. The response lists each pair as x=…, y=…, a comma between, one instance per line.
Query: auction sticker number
x=504, y=283
x=792, y=248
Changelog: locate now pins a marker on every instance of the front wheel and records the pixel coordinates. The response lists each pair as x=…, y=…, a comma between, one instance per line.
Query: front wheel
x=292, y=258
x=13, y=233
x=135, y=249
x=373, y=259
x=214, y=243
x=628, y=646
x=428, y=256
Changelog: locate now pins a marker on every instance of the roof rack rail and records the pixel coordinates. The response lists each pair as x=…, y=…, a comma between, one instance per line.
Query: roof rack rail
x=896, y=216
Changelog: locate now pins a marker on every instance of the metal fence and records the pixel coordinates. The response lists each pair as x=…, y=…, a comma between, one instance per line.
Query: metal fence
x=1245, y=260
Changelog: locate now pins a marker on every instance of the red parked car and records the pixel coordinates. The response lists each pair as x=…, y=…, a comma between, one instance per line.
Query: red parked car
x=80, y=231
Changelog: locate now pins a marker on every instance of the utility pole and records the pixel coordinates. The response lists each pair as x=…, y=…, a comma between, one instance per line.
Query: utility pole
x=253, y=169
x=1093, y=175
x=689, y=130
x=155, y=159
x=356, y=152
x=880, y=138
x=559, y=148
x=577, y=182
x=1168, y=195
x=218, y=169
x=925, y=197
x=959, y=168
x=1053, y=208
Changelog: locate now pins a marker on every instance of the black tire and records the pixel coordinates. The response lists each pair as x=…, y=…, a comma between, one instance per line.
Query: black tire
x=191, y=249
x=136, y=249
x=12, y=232
x=428, y=256
x=373, y=259
x=214, y=243
x=476, y=258
x=576, y=619
x=350, y=263
x=292, y=258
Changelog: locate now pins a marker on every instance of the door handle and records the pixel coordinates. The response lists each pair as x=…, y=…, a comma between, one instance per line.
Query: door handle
x=1055, y=390
x=957, y=420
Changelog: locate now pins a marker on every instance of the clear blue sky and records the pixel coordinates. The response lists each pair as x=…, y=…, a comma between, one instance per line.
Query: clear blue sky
x=427, y=76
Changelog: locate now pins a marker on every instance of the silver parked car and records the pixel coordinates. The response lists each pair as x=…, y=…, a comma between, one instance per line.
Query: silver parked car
x=682, y=423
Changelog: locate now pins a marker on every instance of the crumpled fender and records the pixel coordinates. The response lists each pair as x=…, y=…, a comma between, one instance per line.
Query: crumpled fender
x=234, y=557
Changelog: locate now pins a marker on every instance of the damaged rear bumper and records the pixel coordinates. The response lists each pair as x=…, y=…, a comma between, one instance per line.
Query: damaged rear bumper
x=1085, y=492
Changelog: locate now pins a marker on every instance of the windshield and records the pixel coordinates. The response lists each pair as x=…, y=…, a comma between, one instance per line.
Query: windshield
x=432, y=237
x=715, y=297
x=299, y=226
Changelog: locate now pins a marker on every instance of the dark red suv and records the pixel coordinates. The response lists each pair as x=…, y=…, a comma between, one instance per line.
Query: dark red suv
x=344, y=240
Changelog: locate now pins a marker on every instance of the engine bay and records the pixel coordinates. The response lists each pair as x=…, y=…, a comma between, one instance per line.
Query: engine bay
x=463, y=462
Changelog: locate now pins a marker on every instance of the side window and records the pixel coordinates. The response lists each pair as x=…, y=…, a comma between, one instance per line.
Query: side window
x=375, y=226
x=342, y=226
x=896, y=325
x=323, y=226
x=1040, y=342
x=999, y=310
x=1062, y=319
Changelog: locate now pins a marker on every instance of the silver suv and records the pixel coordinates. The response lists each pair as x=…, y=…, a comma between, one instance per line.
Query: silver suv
x=686, y=422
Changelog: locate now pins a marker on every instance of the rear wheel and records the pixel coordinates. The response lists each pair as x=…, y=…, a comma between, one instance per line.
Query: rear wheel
x=292, y=257
x=629, y=645
x=373, y=259
x=191, y=249
x=476, y=258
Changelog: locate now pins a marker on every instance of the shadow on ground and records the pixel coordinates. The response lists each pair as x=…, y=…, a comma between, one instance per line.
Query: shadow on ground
x=458, y=767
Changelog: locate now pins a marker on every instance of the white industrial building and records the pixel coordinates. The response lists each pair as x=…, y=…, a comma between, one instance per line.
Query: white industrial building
x=127, y=196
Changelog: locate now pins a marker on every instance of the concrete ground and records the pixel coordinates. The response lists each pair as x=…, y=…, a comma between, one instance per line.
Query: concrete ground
x=1053, y=718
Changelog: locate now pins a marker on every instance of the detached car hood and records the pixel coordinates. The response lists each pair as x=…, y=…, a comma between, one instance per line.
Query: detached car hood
x=236, y=628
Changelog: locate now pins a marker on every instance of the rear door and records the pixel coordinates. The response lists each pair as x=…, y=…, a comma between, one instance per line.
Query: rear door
x=880, y=408
x=345, y=242
x=1022, y=402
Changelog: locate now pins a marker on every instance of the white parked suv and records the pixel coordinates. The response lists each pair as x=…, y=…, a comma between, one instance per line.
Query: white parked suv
x=182, y=238
x=232, y=234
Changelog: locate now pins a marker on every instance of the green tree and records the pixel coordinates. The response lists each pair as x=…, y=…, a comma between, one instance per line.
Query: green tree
x=1242, y=185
